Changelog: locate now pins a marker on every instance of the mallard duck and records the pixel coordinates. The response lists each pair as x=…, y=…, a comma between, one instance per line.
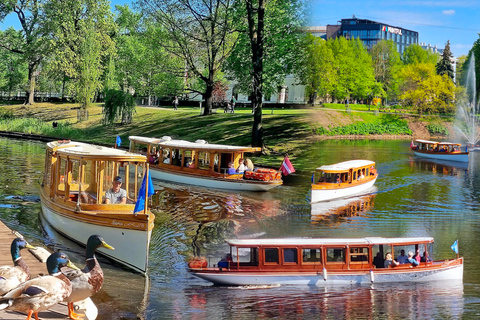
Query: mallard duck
x=12, y=276
x=86, y=282
x=41, y=293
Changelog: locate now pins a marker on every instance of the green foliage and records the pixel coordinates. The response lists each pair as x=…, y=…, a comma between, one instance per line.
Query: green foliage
x=444, y=66
x=6, y=114
x=37, y=126
x=415, y=54
x=118, y=105
x=437, y=128
x=386, y=65
x=359, y=107
x=385, y=125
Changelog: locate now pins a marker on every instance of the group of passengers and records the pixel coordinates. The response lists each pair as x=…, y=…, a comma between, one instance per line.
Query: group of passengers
x=244, y=165
x=410, y=258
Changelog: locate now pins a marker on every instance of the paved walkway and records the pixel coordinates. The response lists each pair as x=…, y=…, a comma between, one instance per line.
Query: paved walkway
x=37, y=267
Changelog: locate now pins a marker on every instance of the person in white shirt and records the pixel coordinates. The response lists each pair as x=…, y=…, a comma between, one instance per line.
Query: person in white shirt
x=116, y=195
x=241, y=168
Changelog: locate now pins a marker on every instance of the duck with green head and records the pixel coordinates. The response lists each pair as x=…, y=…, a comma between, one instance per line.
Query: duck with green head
x=86, y=282
x=41, y=293
x=12, y=276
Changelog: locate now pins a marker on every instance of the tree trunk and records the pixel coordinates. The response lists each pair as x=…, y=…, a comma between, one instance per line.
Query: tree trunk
x=31, y=87
x=208, y=96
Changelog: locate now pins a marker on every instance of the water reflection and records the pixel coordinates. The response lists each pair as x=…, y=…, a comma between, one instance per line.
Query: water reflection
x=448, y=168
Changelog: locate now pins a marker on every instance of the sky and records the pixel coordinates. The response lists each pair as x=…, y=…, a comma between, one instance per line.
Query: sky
x=435, y=21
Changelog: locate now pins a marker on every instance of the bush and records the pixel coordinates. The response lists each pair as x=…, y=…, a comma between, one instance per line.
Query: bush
x=118, y=105
x=385, y=125
x=6, y=114
x=437, y=128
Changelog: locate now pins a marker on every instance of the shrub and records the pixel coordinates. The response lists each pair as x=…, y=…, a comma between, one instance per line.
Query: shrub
x=437, y=128
x=118, y=105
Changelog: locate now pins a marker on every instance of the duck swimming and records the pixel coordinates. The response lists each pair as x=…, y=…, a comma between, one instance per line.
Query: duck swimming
x=86, y=282
x=12, y=276
x=41, y=293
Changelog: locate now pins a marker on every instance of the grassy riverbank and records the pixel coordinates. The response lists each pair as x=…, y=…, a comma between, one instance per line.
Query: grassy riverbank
x=286, y=130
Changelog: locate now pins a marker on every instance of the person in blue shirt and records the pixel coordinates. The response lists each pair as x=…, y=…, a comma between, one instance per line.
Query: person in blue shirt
x=411, y=259
x=231, y=168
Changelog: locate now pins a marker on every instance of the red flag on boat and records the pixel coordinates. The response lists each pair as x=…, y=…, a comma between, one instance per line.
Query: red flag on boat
x=411, y=144
x=287, y=167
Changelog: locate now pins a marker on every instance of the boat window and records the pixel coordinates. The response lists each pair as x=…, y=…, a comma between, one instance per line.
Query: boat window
x=311, y=255
x=290, y=255
x=177, y=157
x=74, y=180
x=62, y=174
x=246, y=256
x=203, y=160
x=48, y=169
x=335, y=255
x=271, y=255
x=189, y=158
x=358, y=254
x=368, y=173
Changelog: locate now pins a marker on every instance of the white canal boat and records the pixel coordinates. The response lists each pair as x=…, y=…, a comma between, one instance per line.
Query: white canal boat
x=439, y=150
x=324, y=262
x=76, y=178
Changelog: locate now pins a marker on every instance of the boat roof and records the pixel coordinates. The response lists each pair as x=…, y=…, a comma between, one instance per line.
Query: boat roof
x=86, y=150
x=439, y=143
x=168, y=142
x=426, y=141
x=346, y=165
x=327, y=241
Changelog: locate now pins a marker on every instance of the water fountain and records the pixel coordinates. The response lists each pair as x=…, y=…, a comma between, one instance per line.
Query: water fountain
x=466, y=120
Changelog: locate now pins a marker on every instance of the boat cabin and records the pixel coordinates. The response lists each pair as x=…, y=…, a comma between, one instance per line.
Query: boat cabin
x=345, y=172
x=292, y=254
x=80, y=174
x=197, y=157
x=434, y=146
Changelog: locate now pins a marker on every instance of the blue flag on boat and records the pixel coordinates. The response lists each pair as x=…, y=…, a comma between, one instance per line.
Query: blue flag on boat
x=140, y=204
x=455, y=246
x=313, y=177
x=119, y=141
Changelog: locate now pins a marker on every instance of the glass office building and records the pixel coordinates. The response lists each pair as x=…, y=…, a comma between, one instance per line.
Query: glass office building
x=371, y=32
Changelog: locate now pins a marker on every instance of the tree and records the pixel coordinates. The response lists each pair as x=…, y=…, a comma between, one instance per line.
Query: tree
x=13, y=70
x=81, y=39
x=425, y=90
x=459, y=69
x=386, y=65
x=201, y=33
x=444, y=66
x=414, y=53
x=33, y=44
x=266, y=51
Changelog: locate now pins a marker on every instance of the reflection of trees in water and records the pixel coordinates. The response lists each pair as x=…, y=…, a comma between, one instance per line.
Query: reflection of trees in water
x=207, y=218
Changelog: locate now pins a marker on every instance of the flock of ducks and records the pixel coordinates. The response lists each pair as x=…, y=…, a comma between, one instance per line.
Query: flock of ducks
x=18, y=292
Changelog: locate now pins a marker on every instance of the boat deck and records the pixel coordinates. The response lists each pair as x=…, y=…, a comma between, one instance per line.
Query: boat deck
x=58, y=311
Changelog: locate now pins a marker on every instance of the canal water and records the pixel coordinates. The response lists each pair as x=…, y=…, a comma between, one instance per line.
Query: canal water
x=413, y=197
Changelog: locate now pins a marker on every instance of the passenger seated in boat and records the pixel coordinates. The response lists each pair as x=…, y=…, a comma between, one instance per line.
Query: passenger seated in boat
x=425, y=257
x=249, y=165
x=190, y=163
x=389, y=261
x=402, y=258
x=412, y=260
x=417, y=256
x=378, y=261
x=225, y=261
x=231, y=168
x=338, y=180
x=241, y=167
x=116, y=195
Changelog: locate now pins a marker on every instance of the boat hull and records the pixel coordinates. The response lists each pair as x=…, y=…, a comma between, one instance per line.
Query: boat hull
x=211, y=182
x=461, y=157
x=449, y=272
x=131, y=246
x=328, y=194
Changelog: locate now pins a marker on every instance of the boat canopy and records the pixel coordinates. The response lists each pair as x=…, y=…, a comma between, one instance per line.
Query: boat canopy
x=89, y=151
x=426, y=141
x=346, y=165
x=167, y=142
x=327, y=242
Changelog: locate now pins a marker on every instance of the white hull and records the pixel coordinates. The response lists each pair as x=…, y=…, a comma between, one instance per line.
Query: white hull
x=131, y=246
x=462, y=157
x=239, y=185
x=328, y=194
x=337, y=278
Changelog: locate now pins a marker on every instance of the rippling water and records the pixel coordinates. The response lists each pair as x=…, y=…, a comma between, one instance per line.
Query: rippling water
x=412, y=197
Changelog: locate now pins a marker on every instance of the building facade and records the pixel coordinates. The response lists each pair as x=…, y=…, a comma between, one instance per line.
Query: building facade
x=371, y=32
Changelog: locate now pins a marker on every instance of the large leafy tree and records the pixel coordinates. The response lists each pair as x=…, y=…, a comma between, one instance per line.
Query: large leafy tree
x=425, y=90
x=13, y=70
x=444, y=66
x=267, y=50
x=201, y=33
x=386, y=65
x=414, y=54
x=33, y=46
x=81, y=37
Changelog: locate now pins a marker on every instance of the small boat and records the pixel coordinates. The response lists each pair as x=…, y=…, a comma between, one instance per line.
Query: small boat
x=76, y=179
x=439, y=150
x=343, y=179
x=202, y=164
x=323, y=262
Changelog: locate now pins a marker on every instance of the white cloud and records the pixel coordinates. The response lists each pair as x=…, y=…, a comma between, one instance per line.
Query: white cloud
x=448, y=12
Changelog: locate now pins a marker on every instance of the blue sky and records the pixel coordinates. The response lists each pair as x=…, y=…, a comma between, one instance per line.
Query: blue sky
x=435, y=21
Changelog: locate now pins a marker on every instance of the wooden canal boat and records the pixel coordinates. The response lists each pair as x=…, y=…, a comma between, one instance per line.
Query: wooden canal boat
x=343, y=179
x=439, y=150
x=202, y=164
x=76, y=179
x=323, y=262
